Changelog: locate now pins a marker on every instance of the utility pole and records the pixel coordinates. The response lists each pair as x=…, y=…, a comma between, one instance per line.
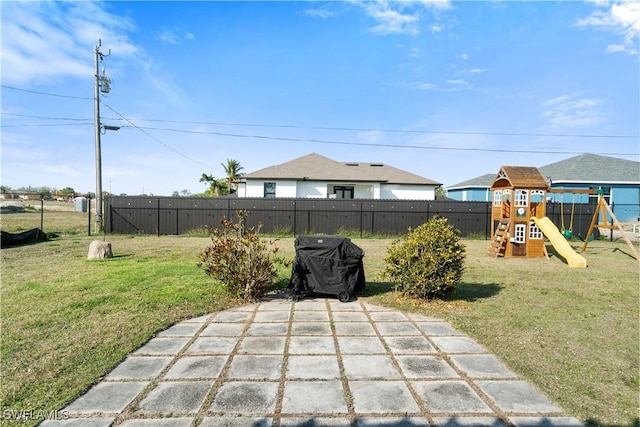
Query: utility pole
x=102, y=84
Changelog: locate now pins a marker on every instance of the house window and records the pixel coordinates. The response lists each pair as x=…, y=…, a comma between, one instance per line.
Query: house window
x=534, y=231
x=522, y=198
x=520, y=233
x=343, y=191
x=270, y=189
x=506, y=196
x=497, y=198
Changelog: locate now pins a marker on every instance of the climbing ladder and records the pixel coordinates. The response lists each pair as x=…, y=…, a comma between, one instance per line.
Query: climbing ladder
x=500, y=237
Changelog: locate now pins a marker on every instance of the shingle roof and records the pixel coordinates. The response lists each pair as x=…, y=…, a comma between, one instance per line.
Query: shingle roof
x=522, y=177
x=483, y=181
x=585, y=168
x=314, y=167
x=593, y=168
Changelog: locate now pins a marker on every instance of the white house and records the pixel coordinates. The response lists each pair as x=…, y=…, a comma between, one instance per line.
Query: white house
x=316, y=176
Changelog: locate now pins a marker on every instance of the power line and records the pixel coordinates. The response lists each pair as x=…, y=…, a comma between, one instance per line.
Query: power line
x=45, y=125
x=46, y=117
x=44, y=93
x=368, y=144
x=156, y=139
x=414, y=131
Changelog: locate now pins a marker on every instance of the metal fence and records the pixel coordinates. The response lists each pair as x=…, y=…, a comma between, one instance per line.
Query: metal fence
x=179, y=215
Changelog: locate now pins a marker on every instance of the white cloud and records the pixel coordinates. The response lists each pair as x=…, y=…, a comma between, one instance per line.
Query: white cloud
x=464, y=56
x=318, y=13
x=401, y=17
x=567, y=111
x=174, y=38
x=43, y=41
x=477, y=70
x=169, y=37
x=621, y=18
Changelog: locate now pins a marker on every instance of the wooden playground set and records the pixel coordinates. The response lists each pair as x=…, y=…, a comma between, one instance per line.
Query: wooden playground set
x=520, y=224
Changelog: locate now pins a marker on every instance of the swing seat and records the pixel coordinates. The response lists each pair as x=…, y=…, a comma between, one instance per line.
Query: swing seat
x=567, y=234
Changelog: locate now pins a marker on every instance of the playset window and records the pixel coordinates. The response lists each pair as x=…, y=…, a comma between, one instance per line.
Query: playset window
x=522, y=198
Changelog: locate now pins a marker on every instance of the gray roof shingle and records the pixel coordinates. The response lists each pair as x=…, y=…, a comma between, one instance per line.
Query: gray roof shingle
x=593, y=168
x=314, y=167
x=585, y=168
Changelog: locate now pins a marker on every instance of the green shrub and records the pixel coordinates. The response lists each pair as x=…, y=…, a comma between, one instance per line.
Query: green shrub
x=427, y=262
x=239, y=258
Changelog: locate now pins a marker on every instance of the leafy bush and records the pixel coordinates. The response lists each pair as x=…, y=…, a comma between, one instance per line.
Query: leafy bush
x=427, y=262
x=239, y=258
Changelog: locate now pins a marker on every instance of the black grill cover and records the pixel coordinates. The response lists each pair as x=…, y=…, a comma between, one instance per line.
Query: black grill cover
x=327, y=265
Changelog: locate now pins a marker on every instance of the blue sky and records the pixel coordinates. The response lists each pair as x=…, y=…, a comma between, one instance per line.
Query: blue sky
x=446, y=90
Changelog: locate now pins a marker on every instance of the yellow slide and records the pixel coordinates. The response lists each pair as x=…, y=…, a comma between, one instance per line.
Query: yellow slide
x=560, y=244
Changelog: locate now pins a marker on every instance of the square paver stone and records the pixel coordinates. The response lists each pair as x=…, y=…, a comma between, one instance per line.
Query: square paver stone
x=236, y=422
x=313, y=367
x=139, y=368
x=232, y=316
x=255, y=367
x=481, y=366
x=469, y=422
x=267, y=329
x=388, y=316
x=392, y=422
x=372, y=307
x=409, y=345
x=323, y=397
x=311, y=345
x=349, y=316
x=381, y=397
x=545, y=422
x=345, y=306
x=176, y=397
x=201, y=319
x=310, y=316
x=262, y=345
x=311, y=328
x=158, y=422
x=311, y=305
x=212, y=345
x=246, y=397
x=224, y=329
x=354, y=328
x=78, y=422
x=517, y=396
x=450, y=396
x=106, y=397
x=315, y=422
x=369, y=367
x=181, y=330
x=275, y=305
x=272, y=316
x=157, y=346
x=397, y=328
x=438, y=328
x=361, y=345
x=425, y=367
x=197, y=367
x=458, y=345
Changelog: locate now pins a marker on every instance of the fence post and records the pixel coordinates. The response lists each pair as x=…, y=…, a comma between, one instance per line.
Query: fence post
x=158, y=217
x=89, y=217
x=488, y=217
x=361, y=220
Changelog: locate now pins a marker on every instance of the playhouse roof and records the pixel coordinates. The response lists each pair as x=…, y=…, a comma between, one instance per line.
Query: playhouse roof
x=519, y=177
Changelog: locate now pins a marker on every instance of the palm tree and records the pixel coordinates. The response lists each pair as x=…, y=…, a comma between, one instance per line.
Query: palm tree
x=217, y=187
x=232, y=169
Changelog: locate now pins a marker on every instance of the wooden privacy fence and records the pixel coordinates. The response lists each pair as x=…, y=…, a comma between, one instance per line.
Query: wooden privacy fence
x=179, y=215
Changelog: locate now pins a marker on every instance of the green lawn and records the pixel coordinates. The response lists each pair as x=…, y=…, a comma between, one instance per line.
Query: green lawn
x=66, y=321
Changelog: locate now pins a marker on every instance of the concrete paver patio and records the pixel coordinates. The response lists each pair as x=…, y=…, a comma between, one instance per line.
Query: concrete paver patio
x=315, y=362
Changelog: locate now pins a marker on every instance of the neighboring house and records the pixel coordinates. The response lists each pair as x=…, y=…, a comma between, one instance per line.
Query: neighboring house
x=20, y=195
x=316, y=176
x=472, y=190
x=617, y=179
